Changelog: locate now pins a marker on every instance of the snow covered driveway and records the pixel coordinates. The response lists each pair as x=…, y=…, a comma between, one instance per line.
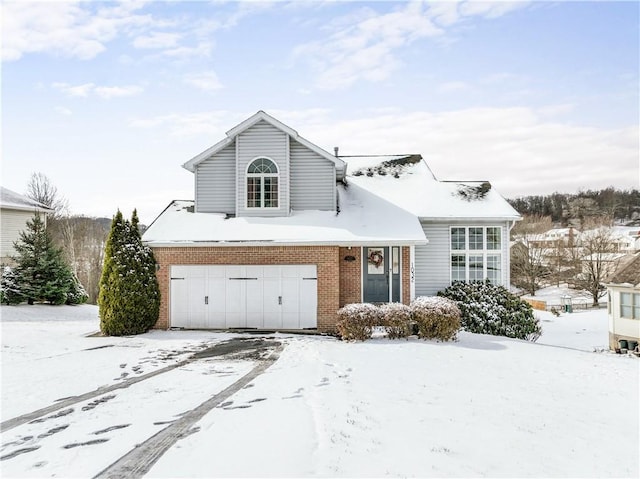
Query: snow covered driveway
x=482, y=406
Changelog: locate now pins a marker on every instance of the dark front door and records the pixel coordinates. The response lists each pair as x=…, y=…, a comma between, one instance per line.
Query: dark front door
x=375, y=278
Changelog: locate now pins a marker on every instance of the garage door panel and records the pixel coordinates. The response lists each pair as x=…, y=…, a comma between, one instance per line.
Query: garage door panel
x=307, y=271
x=290, y=302
x=196, y=298
x=217, y=302
x=235, y=303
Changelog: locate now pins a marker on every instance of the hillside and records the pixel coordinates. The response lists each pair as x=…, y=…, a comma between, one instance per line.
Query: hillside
x=621, y=206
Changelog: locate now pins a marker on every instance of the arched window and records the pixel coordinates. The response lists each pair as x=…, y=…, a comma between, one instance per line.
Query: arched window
x=262, y=184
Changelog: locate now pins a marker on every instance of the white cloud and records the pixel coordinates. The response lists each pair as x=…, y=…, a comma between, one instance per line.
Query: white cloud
x=202, y=49
x=206, y=123
x=365, y=49
x=206, y=81
x=490, y=9
x=106, y=92
x=63, y=111
x=157, y=40
x=77, y=90
x=69, y=28
x=453, y=86
x=516, y=149
x=117, y=91
x=364, y=43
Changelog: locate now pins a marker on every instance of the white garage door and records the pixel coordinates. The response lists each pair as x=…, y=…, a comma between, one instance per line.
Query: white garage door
x=269, y=297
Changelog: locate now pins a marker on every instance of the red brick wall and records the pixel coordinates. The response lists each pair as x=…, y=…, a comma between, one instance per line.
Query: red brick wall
x=406, y=275
x=324, y=257
x=350, y=276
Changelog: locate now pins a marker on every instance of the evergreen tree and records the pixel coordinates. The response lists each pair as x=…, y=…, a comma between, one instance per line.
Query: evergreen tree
x=129, y=299
x=41, y=274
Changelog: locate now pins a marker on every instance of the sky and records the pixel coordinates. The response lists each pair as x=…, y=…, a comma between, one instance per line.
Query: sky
x=108, y=100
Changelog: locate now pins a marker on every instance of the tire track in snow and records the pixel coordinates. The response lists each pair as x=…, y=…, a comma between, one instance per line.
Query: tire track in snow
x=225, y=347
x=137, y=462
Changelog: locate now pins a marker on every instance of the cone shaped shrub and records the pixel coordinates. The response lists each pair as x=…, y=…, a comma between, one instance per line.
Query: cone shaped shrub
x=437, y=318
x=491, y=309
x=129, y=299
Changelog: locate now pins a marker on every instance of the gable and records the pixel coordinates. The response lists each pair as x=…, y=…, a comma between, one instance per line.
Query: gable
x=249, y=123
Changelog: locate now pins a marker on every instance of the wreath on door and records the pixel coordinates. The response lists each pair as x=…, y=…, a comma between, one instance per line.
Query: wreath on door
x=376, y=258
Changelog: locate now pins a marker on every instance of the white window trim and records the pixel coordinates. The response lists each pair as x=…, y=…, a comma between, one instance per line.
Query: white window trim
x=484, y=252
x=248, y=175
x=633, y=295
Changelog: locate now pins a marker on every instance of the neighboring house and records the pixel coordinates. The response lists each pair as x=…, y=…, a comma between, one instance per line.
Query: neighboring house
x=627, y=238
x=554, y=238
x=623, y=292
x=281, y=233
x=15, y=211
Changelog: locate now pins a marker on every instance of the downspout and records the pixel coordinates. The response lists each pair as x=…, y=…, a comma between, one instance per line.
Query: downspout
x=510, y=226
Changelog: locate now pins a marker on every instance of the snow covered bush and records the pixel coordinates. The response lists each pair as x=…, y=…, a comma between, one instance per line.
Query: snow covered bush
x=436, y=317
x=356, y=321
x=129, y=299
x=9, y=289
x=76, y=293
x=490, y=309
x=396, y=320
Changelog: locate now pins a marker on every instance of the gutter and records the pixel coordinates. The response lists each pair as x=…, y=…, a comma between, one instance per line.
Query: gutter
x=266, y=243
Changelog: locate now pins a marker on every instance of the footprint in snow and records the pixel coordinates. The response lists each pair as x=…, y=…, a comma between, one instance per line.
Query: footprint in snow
x=112, y=428
x=62, y=413
x=88, y=443
x=51, y=432
x=323, y=382
x=18, y=452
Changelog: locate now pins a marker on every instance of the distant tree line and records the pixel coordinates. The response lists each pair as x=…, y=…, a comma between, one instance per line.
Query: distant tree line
x=621, y=206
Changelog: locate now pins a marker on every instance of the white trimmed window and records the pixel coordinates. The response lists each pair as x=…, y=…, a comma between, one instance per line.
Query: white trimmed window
x=476, y=253
x=262, y=184
x=630, y=305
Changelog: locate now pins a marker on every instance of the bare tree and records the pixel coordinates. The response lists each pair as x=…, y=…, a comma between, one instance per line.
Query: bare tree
x=529, y=253
x=598, y=260
x=85, y=240
x=43, y=191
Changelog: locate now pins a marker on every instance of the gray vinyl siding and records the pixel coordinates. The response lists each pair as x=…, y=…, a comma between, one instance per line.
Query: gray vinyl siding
x=12, y=222
x=313, y=179
x=262, y=139
x=432, y=261
x=216, y=182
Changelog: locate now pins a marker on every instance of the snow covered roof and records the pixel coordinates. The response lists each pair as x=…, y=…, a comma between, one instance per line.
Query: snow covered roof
x=407, y=182
x=248, y=123
x=364, y=218
x=15, y=201
x=628, y=272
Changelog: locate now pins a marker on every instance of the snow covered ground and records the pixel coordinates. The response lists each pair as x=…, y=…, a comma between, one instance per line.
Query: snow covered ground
x=480, y=406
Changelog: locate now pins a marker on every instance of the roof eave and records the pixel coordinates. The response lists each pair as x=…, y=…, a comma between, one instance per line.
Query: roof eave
x=38, y=209
x=193, y=162
x=267, y=243
x=470, y=218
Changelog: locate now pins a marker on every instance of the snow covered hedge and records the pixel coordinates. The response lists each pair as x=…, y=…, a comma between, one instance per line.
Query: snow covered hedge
x=490, y=309
x=396, y=320
x=356, y=321
x=436, y=317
